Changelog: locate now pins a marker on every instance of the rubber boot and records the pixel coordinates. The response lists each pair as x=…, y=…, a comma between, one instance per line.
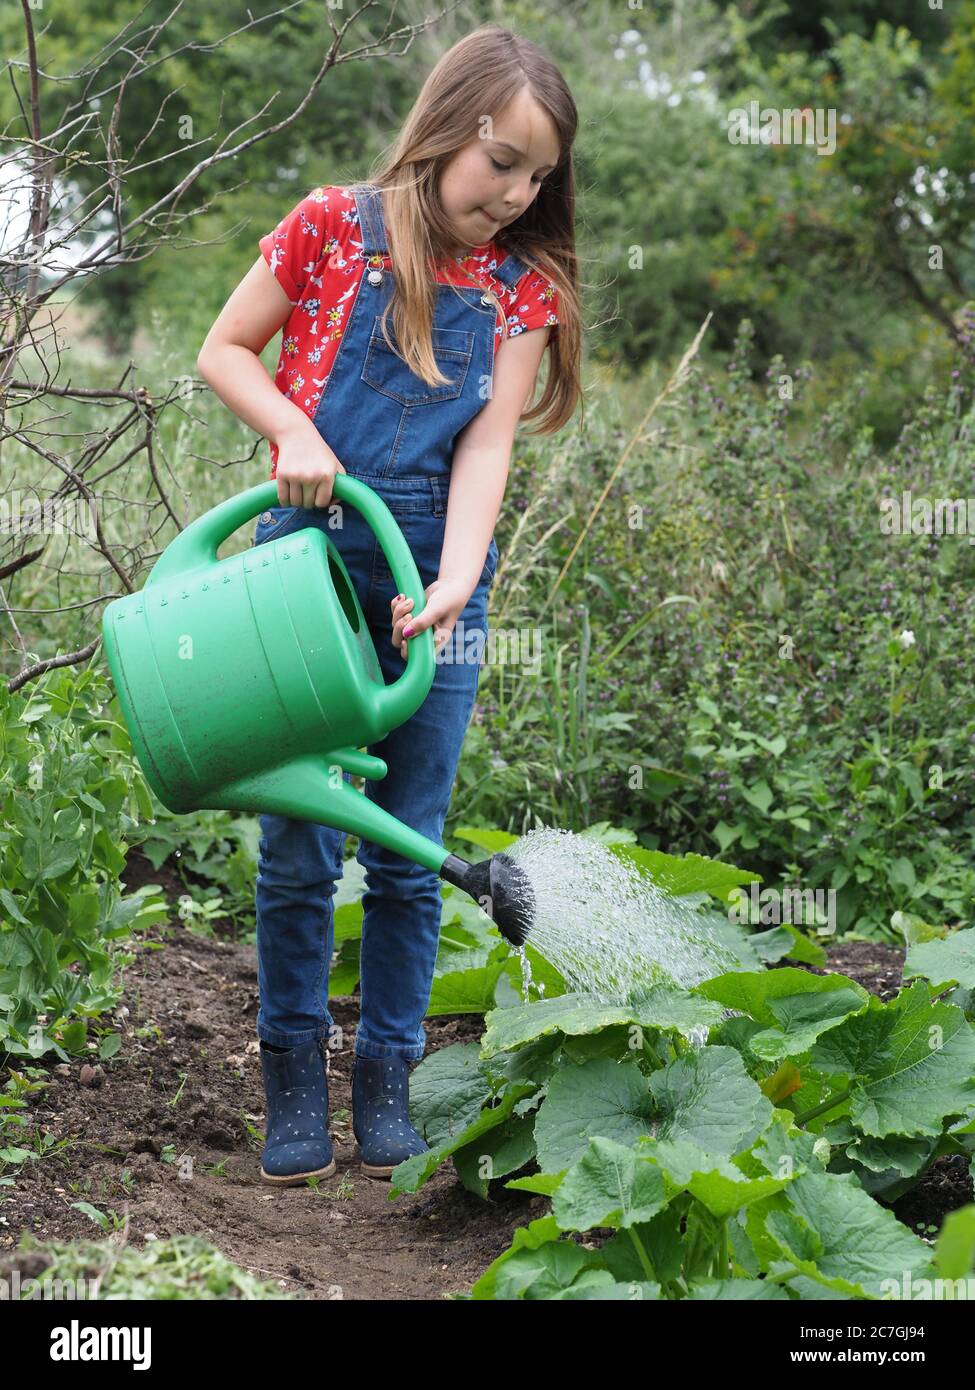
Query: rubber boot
x=381, y=1114
x=298, y=1145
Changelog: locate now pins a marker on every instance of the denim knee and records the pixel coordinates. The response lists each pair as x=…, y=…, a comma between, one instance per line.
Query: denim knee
x=299, y=854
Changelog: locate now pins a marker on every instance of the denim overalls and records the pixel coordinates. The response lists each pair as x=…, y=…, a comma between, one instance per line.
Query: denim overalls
x=390, y=429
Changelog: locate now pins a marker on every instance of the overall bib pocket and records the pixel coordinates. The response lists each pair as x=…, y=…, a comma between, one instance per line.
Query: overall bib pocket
x=388, y=374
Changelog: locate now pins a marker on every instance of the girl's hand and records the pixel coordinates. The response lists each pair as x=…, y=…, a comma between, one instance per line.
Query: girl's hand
x=446, y=600
x=306, y=467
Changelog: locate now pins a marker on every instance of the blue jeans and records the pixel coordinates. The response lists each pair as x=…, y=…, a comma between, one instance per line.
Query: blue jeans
x=301, y=862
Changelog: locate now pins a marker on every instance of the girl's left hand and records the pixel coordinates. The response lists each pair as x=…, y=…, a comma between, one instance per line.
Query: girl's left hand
x=446, y=600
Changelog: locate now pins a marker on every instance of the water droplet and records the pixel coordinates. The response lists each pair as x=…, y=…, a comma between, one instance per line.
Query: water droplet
x=607, y=928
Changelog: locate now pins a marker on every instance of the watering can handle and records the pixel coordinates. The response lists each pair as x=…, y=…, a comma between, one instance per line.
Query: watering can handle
x=196, y=548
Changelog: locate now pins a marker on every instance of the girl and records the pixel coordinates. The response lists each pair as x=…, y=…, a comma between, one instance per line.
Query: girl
x=415, y=309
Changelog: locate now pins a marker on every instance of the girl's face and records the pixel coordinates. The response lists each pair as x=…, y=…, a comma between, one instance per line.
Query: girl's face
x=493, y=179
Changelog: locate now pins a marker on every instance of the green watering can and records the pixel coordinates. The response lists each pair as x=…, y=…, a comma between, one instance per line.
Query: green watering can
x=251, y=683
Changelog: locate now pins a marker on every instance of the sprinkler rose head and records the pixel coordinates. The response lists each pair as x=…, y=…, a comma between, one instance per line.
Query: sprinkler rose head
x=501, y=887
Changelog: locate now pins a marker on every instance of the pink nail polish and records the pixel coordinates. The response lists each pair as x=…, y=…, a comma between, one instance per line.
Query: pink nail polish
x=407, y=632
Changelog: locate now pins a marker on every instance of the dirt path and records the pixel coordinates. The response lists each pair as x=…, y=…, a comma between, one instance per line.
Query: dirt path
x=162, y=1137
x=194, y=1085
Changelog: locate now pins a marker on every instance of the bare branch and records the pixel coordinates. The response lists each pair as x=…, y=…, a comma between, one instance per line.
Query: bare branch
x=90, y=460
x=67, y=659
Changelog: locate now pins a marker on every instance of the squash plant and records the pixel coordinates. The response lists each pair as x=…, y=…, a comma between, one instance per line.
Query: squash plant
x=736, y=1139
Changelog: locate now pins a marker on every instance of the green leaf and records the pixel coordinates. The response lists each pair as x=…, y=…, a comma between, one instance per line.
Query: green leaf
x=33, y=713
x=813, y=1234
x=571, y=1013
x=914, y=929
x=493, y=1155
x=447, y=1091
x=951, y=961
x=15, y=1155
x=608, y=834
x=530, y=1237
x=796, y=1005
x=490, y=840
x=662, y=1006
x=510, y=990
x=662, y=1241
x=737, y=1291
x=954, y=1253
x=787, y=941
x=726, y=835
x=466, y=991
x=608, y=1186
x=905, y=1157
x=785, y=1149
x=689, y=873
x=99, y=1217
x=901, y=873
x=911, y=778
x=548, y=1271
x=601, y=1098
x=760, y=796
x=714, y=1179
x=672, y=1009
x=60, y=857
x=344, y=973
x=707, y=1097
x=348, y=923
x=592, y=1286
x=351, y=886
x=912, y=1063
x=84, y=908
x=10, y=903
x=776, y=746
x=75, y=1036
x=412, y=1173
x=545, y=1183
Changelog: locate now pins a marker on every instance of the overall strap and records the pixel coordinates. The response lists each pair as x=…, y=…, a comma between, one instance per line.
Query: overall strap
x=372, y=225
x=510, y=270
x=369, y=204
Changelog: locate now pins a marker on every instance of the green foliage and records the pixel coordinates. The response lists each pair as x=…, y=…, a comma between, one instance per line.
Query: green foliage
x=737, y=1138
x=748, y=1165
x=181, y=1267
x=69, y=793
x=810, y=712
x=218, y=846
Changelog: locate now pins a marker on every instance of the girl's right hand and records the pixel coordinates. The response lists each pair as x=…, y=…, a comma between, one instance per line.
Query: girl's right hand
x=306, y=467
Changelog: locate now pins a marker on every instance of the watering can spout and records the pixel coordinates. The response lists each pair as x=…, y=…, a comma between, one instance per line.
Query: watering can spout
x=499, y=886
x=312, y=788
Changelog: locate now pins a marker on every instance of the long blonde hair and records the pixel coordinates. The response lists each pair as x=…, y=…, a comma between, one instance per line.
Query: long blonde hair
x=478, y=77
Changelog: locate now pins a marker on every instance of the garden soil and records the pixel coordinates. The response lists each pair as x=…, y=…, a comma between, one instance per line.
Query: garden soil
x=162, y=1135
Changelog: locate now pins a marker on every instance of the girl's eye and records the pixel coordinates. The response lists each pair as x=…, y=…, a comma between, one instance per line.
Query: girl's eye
x=505, y=167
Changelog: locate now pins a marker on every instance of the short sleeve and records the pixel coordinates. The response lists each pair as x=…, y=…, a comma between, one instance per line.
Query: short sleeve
x=536, y=304
x=294, y=248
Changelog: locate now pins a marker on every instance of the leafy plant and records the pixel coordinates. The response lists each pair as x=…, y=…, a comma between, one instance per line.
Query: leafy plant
x=68, y=790
x=716, y=1142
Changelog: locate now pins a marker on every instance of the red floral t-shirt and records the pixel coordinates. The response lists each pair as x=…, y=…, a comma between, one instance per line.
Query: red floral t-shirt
x=315, y=254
